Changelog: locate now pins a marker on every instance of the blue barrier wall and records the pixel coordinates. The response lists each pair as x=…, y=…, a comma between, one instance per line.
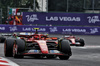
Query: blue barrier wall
x=75, y=19
x=51, y=29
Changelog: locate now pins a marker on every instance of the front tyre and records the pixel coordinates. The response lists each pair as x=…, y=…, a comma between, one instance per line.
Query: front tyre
x=82, y=43
x=64, y=47
x=15, y=51
x=2, y=39
x=8, y=47
x=18, y=47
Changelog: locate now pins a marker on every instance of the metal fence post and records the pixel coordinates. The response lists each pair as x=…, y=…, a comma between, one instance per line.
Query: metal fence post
x=34, y=7
x=93, y=5
x=67, y=5
x=0, y=15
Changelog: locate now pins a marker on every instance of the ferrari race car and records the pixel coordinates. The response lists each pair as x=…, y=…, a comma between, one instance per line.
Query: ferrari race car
x=75, y=41
x=37, y=45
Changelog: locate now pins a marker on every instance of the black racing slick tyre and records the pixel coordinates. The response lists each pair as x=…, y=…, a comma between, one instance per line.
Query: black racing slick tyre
x=2, y=39
x=64, y=47
x=82, y=43
x=8, y=47
x=18, y=47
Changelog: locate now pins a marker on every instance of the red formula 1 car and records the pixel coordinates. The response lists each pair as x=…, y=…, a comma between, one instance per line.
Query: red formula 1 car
x=74, y=41
x=37, y=45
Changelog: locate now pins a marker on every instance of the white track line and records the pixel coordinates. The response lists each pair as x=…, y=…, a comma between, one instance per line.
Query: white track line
x=87, y=47
x=6, y=62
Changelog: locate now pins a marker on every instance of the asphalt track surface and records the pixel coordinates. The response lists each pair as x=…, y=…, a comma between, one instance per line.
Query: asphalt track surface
x=81, y=56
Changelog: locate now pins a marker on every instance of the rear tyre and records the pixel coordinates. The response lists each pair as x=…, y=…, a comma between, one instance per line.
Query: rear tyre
x=18, y=47
x=8, y=47
x=82, y=42
x=64, y=47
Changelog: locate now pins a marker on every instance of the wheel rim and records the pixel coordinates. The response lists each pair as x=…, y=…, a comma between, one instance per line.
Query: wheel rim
x=14, y=49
